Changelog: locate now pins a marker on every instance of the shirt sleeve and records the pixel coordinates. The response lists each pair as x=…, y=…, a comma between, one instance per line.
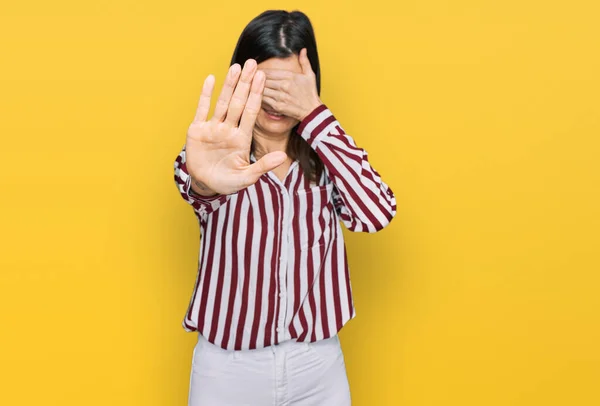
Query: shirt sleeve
x=203, y=205
x=364, y=201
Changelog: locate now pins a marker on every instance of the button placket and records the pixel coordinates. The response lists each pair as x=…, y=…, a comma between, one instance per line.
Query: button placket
x=283, y=264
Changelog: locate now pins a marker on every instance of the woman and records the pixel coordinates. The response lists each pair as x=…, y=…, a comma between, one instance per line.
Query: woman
x=269, y=176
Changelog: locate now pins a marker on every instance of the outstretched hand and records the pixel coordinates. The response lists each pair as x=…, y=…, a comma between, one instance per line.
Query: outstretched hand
x=292, y=94
x=218, y=150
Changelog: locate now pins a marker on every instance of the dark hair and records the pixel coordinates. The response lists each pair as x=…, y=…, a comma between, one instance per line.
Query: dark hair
x=280, y=34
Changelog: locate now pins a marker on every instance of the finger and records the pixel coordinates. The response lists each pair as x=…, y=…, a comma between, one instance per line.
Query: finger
x=274, y=84
x=253, y=105
x=270, y=102
x=204, y=103
x=265, y=164
x=305, y=62
x=226, y=92
x=273, y=94
x=278, y=74
x=240, y=95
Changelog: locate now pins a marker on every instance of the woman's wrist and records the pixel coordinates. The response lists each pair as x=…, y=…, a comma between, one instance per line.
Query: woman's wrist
x=312, y=108
x=200, y=189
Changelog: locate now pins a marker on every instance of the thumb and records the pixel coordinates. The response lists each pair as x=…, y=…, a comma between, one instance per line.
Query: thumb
x=305, y=62
x=265, y=164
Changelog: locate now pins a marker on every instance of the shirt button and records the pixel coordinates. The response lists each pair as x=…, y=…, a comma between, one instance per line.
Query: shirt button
x=279, y=329
x=281, y=294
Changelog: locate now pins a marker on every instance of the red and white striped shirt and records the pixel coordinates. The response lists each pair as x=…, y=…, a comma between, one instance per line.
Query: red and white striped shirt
x=272, y=263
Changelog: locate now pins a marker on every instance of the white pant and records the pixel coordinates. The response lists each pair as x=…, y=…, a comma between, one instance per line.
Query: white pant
x=289, y=374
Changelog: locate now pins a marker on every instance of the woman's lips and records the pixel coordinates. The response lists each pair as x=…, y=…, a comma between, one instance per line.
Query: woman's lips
x=273, y=117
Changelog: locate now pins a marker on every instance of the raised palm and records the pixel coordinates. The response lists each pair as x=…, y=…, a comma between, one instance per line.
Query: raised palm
x=218, y=150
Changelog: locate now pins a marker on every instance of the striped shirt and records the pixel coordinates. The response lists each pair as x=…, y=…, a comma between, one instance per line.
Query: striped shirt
x=272, y=262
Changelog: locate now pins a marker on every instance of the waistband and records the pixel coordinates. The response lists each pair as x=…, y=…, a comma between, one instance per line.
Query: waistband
x=287, y=344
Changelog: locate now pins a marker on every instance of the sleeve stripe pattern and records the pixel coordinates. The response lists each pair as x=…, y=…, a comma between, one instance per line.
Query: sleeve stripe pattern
x=366, y=203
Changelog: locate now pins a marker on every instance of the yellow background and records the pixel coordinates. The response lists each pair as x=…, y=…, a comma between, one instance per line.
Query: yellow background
x=483, y=117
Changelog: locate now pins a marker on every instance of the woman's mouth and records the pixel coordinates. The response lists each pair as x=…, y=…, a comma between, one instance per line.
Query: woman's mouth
x=273, y=115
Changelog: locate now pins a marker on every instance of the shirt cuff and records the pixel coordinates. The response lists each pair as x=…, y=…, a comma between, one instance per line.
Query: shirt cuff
x=313, y=127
